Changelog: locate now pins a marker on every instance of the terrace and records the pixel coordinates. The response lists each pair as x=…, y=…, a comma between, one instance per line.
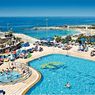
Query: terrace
x=9, y=42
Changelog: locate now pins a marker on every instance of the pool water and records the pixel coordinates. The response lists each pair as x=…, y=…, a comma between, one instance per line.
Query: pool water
x=80, y=73
x=9, y=77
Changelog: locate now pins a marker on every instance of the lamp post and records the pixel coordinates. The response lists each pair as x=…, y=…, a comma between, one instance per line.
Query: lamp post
x=37, y=30
x=67, y=40
x=46, y=27
x=67, y=45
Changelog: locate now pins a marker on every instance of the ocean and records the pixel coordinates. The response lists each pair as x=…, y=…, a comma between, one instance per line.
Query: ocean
x=20, y=24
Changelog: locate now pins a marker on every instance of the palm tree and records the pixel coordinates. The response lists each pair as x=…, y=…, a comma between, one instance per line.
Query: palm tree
x=18, y=39
x=63, y=41
x=68, y=38
x=58, y=39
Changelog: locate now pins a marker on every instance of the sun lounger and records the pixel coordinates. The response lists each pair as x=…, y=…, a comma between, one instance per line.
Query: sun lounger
x=2, y=92
x=66, y=47
x=92, y=53
x=86, y=49
x=40, y=49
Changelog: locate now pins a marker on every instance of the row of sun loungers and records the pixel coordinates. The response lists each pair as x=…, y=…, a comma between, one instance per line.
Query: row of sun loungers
x=84, y=47
x=23, y=52
x=59, y=45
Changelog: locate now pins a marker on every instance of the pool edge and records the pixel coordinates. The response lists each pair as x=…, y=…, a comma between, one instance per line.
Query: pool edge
x=32, y=84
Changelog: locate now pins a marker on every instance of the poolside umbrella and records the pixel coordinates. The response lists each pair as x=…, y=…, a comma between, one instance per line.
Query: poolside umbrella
x=18, y=52
x=83, y=40
x=22, y=45
x=23, y=54
x=24, y=51
x=12, y=57
x=92, y=39
x=14, y=52
x=29, y=50
x=27, y=44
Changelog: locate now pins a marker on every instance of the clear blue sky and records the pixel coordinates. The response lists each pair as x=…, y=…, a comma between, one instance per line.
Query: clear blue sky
x=47, y=7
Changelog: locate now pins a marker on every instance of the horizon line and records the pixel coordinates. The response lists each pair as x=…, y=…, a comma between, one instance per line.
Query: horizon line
x=47, y=16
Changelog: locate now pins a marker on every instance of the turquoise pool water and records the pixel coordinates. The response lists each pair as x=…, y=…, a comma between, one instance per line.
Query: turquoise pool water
x=80, y=73
x=9, y=77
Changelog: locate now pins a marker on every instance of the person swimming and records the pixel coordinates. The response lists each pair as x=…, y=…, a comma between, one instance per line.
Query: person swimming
x=67, y=85
x=1, y=73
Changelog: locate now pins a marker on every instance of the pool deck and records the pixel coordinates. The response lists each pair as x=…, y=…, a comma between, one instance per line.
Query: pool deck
x=22, y=87
x=55, y=50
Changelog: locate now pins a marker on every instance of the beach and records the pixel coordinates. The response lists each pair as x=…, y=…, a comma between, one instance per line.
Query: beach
x=85, y=29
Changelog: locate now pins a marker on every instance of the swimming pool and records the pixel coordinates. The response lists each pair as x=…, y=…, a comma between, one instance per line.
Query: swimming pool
x=9, y=77
x=80, y=73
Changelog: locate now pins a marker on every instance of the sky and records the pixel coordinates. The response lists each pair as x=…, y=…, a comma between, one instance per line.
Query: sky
x=47, y=8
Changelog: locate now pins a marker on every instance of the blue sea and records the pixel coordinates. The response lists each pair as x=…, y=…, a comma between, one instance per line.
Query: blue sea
x=20, y=24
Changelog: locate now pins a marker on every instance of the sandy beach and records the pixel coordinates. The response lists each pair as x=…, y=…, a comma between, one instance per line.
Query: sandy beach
x=80, y=28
